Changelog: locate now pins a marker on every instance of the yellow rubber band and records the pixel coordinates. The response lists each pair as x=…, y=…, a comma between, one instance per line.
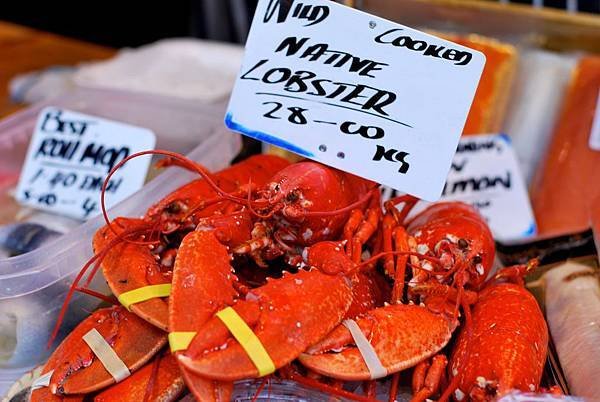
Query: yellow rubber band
x=180, y=340
x=144, y=293
x=248, y=340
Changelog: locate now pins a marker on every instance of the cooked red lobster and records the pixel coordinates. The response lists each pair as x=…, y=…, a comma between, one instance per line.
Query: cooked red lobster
x=295, y=254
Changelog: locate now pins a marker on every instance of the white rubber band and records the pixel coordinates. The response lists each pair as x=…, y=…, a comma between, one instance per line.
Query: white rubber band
x=107, y=356
x=42, y=381
x=366, y=350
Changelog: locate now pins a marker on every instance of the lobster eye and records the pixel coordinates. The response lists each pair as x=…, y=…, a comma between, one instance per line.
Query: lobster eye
x=463, y=244
x=476, y=260
x=175, y=207
x=292, y=196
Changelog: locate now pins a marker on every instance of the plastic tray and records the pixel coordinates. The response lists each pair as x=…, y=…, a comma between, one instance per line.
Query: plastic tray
x=33, y=285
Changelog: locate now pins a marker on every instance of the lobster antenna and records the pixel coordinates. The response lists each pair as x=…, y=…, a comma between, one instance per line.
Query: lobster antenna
x=347, y=208
x=122, y=236
x=309, y=382
x=377, y=256
x=185, y=161
x=78, y=278
x=252, y=211
x=109, y=300
x=409, y=203
x=153, y=378
x=63, y=309
x=259, y=389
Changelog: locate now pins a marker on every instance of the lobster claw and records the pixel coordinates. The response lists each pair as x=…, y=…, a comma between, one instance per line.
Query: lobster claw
x=78, y=371
x=203, y=278
x=282, y=313
x=284, y=317
x=401, y=336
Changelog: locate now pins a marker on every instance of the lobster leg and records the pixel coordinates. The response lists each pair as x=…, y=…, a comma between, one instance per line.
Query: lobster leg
x=368, y=289
x=366, y=229
x=400, y=244
x=429, y=378
x=356, y=217
x=388, y=225
x=400, y=216
x=166, y=384
x=207, y=390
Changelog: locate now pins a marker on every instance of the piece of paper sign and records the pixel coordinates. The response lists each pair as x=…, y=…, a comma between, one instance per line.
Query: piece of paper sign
x=485, y=173
x=594, y=140
x=69, y=157
x=356, y=92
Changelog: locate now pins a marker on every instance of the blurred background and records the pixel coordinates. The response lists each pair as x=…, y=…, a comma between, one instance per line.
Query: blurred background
x=119, y=23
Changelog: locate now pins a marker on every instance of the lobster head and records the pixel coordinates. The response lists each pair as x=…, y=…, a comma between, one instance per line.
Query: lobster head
x=453, y=230
x=308, y=199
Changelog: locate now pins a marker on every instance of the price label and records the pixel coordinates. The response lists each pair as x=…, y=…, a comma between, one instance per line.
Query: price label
x=69, y=157
x=485, y=173
x=356, y=92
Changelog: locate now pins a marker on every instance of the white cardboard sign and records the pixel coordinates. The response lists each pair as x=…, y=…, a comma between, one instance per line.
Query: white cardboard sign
x=356, y=92
x=69, y=157
x=485, y=173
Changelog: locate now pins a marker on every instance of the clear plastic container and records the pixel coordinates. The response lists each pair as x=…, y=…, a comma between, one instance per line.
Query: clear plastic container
x=33, y=285
x=179, y=124
x=285, y=390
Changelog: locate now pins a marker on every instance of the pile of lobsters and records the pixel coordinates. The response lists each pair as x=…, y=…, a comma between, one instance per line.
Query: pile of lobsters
x=299, y=272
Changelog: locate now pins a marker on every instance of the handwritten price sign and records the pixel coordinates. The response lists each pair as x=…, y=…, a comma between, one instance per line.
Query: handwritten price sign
x=485, y=173
x=356, y=92
x=69, y=157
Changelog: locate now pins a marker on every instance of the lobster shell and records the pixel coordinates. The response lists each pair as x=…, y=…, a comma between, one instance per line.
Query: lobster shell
x=507, y=348
x=454, y=221
x=140, y=267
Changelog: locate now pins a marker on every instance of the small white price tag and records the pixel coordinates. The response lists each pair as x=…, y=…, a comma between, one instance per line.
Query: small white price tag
x=595, y=134
x=69, y=157
x=356, y=92
x=485, y=173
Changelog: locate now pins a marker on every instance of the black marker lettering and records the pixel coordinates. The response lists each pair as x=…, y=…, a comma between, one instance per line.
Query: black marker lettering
x=292, y=44
x=392, y=37
x=378, y=101
x=257, y=65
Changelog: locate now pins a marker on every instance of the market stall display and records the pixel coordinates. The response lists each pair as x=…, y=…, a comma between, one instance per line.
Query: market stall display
x=225, y=232
x=279, y=278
